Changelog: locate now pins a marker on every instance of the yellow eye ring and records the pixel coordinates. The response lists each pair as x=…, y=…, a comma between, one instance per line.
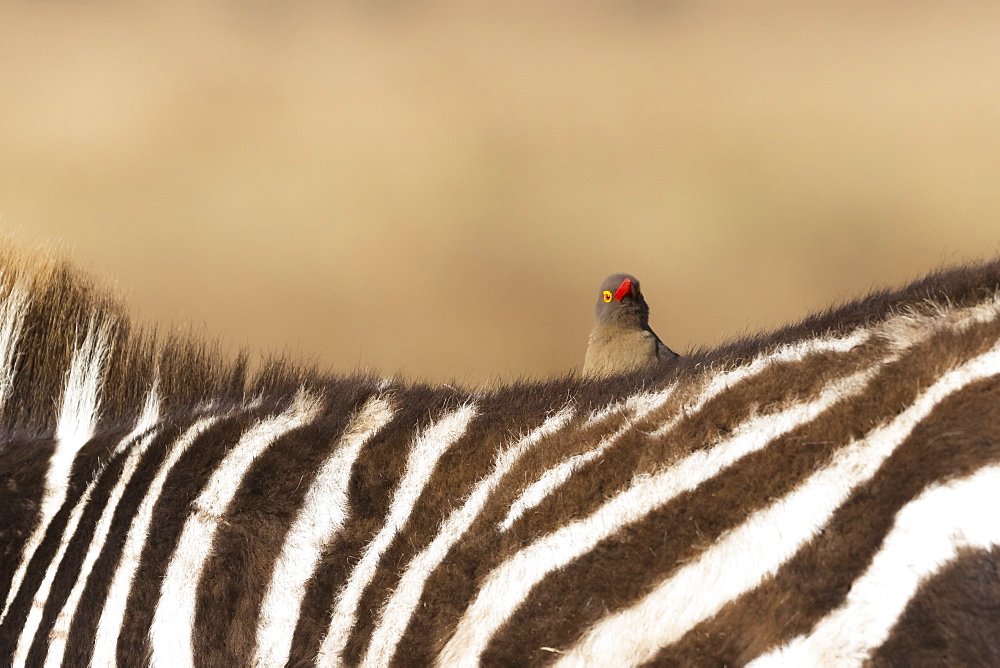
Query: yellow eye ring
x=607, y=296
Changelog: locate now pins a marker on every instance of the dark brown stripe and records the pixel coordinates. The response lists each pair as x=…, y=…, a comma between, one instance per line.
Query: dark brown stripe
x=11, y=628
x=635, y=452
x=376, y=473
x=182, y=487
x=248, y=542
x=625, y=567
x=467, y=461
x=961, y=435
x=108, y=555
x=954, y=620
x=451, y=585
x=456, y=582
x=22, y=480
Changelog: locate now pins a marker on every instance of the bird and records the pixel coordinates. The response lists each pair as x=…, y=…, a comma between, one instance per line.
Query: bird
x=622, y=340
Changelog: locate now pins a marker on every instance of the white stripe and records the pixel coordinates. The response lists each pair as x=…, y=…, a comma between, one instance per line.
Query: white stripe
x=643, y=401
x=900, y=331
x=640, y=405
x=423, y=458
x=555, y=477
x=792, y=352
x=396, y=614
x=741, y=559
x=83, y=385
x=147, y=420
x=979, y=314
x=100, y=533
x=113, y=612
x=596, y=416
x=12, y=314
x=507, y=586
x=77, y=418
x=324, y=511
x=38, y=603
x=907, y=328
x=927, y=535
x=173, y=621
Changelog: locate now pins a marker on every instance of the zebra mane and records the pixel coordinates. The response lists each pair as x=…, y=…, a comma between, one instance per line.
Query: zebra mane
x=50, y=310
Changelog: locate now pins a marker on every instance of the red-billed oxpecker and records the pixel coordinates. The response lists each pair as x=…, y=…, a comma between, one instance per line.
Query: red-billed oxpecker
x=621, y=340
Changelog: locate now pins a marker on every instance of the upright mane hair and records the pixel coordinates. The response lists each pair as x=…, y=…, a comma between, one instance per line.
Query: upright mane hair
x=63, y=303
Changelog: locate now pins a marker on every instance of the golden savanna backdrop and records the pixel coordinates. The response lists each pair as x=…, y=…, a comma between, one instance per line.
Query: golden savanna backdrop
x=438, y=188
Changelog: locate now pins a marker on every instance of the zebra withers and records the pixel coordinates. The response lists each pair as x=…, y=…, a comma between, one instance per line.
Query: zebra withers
x=822, y=494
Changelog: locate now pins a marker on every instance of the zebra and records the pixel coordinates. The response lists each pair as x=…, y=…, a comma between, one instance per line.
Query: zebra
x=824, y=494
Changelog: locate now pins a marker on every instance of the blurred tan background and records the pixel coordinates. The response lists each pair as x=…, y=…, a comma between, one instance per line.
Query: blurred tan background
x=438, y=188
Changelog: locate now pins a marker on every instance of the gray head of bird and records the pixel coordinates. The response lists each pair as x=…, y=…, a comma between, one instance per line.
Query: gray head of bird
x=620, y=302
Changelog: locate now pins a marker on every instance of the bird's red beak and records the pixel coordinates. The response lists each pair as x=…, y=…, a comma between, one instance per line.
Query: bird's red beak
x=624, y=289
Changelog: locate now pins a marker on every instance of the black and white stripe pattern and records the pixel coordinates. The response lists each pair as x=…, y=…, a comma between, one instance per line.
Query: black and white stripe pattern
x=790, y=506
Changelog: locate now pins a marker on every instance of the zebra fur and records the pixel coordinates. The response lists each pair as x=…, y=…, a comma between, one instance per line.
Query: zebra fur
x=822, y=494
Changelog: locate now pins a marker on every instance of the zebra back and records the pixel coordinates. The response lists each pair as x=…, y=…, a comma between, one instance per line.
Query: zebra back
x=819, y=494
